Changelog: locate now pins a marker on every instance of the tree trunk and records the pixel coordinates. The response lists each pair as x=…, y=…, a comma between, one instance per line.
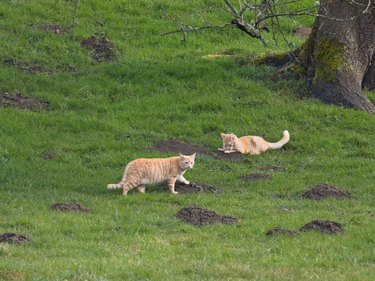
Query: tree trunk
x=339, y=56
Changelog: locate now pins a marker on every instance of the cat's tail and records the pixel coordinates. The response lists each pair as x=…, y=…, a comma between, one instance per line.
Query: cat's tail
x=280, y=143
x=121, y=183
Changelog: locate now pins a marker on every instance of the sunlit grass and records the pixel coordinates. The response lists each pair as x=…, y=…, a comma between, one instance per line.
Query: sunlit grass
x=104, y=115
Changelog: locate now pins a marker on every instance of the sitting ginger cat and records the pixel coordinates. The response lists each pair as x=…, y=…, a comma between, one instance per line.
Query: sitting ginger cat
x=250, y=144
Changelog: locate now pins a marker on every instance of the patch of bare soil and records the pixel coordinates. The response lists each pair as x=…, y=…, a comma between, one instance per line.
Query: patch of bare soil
x=26, y=67
x=281, y=195
x=323, y=191
x=198, y=216
x=253, y=177
x=279, y=230
x=13, y=238
x=69, y=207
x=323, y=226
x=51, y=27
x=195, y=188
x=22, y=102
x=271, y=168
x=103, y=49
x=180, y=147
x=302, y=32
x=190, y=148
x=49, y=155
x=231, y=157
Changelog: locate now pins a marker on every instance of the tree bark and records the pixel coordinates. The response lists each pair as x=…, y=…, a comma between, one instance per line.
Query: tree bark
x=339, y=56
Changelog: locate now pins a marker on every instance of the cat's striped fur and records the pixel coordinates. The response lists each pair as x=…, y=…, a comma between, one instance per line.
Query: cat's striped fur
x=143, y=171
x=250, y=144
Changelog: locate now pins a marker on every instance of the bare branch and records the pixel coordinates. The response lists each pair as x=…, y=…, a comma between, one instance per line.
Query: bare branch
x=191, y=29
x=260, y=12
x=232, y=8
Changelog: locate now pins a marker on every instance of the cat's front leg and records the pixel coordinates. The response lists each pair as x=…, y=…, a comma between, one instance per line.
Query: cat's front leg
x=221, y=149
x=183, y=180
x=171, y=184
x=229, y=151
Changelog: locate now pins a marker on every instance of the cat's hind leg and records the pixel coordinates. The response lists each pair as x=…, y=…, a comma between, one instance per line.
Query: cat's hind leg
x=129, y=184
x=142, y=189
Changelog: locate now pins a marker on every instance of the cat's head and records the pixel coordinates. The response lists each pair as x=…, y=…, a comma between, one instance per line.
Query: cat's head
x=228, y=141
x=187, y=161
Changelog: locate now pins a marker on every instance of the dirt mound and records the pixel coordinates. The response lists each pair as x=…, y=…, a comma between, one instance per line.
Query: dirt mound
x=189, y=148
x=325, y=190
x=51, y=27
x=281, y=195
x=302, y=32
x=195, y=188
x=69, y=207
x=271, y=168
x=33, y=68
x=22, y=102
x=323, y=226
x=232, y=157
x=103, y=49
x=198, y=216
x=49, y=155
x=13, y=238
x=180, y=147
x=253, y=177
x=279, y=230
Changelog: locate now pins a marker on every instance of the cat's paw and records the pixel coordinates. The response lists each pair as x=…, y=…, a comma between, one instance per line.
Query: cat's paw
x=174, y=192
x=220, y=149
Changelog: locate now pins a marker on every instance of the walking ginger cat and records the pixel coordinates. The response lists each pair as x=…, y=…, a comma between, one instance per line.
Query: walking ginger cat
x=250, y=144
x=143, y=171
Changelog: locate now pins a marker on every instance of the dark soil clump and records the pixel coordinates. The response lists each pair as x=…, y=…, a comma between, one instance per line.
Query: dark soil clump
x=272, y=168
x=180, y=147
x=253, y=177
x=281, y=196
x=103, y=49
x=325, y=190
x=51, y=27
x=232, y=157
x=49, y=155
x=323, y=226
x=22, y=102
x=26, y=67
x=13, y=238
x=302, y=32
x=279, y=230
x=198, y=216
x=195, y=188
x=69, y=207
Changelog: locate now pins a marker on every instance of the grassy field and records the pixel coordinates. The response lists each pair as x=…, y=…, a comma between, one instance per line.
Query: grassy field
x=103, y=115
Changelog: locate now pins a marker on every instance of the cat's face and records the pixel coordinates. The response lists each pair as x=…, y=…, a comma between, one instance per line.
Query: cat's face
x=228, y=141
x=187, y=161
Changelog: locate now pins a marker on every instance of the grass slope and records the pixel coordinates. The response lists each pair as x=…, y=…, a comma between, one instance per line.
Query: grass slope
x=103, y=115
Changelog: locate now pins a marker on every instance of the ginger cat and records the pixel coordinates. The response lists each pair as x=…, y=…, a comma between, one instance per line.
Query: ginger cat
x=143, y=171
x=250, y=144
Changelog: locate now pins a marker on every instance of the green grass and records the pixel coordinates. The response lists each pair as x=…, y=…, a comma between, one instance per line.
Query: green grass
x=104, y=115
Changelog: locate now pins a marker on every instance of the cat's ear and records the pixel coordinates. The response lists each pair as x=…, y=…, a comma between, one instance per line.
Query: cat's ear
x=222, y=135
x=232, y=136
x=182, y=157
x=193, y=155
